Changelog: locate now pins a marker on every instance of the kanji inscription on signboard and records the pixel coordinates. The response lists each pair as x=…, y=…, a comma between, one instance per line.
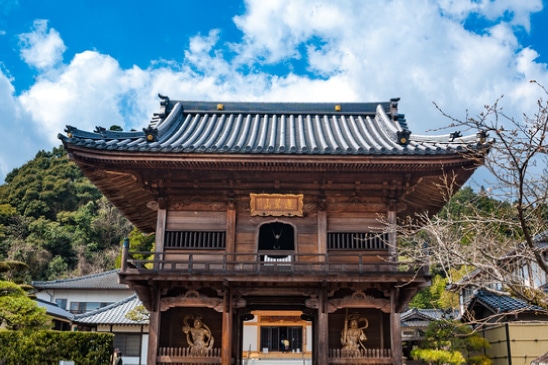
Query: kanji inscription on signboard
x=277, y=205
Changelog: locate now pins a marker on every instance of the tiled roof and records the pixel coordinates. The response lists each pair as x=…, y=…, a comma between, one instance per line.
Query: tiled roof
x=428, y=315
x=275, y=129
x=112, y=314
x=53, y=309
x=503, y=304
x=104, y=280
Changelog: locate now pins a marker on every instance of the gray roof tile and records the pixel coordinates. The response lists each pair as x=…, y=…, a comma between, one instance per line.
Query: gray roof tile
x=54, y=310
x=104, y=280
x=273, y=128
x=112, y=314
x=503, y=304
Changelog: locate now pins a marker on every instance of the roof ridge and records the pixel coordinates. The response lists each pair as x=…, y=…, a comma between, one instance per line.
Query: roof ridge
x=106, y=308
x=79, y=278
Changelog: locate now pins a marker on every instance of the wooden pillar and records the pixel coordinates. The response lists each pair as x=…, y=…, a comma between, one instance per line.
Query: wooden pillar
x=230, y=231
x=226, y=341
x=392, y=237
x=154, y=330
x=323, y=330
x=160, y=234
x=395, y=329
x=125, y=255
x=322, y=234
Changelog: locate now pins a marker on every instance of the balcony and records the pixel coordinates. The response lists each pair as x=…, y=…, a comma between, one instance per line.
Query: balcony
x=269, y=266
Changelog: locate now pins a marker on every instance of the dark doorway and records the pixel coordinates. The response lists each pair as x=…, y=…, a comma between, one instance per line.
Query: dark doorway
x=276, y=236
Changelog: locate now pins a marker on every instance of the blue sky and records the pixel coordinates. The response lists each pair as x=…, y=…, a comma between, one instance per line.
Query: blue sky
x=92, y=63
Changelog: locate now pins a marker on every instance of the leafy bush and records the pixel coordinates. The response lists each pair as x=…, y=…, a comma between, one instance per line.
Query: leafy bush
x=50, y=347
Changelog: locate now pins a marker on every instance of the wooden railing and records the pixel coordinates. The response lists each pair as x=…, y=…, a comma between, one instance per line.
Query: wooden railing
x=276, y=262
x=362, y=356
x=181, y=355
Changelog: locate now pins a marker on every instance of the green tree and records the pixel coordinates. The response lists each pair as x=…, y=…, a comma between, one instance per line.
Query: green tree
x=47, y=185
x=451, y=342
x=18, y=311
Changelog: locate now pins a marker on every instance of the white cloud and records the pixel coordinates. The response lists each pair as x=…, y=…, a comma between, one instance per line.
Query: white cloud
x=19, y=141
x=518, y=13
x=42, y=48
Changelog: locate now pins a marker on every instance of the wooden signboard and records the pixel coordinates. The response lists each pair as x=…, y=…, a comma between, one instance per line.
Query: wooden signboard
x=277, y=205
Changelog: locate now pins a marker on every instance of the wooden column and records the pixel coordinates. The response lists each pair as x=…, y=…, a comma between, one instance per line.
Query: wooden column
x=392, y=237
x=322, y=234
x=230, y=229
x=160, y=234
x=395, y=329
x=323, y=330
x=154, y=330
x=226, y=341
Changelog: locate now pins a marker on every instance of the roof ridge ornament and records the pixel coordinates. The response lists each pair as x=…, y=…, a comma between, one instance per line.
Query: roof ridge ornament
x=394, y=108
x=165, y=107
x=151, y=134
x=403, y=137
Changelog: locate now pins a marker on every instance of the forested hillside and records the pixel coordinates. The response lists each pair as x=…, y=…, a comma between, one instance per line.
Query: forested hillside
x=56, y=221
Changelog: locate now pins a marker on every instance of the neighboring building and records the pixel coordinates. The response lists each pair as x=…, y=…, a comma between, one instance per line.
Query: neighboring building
x=262, y=208
x=415, y=322
x=62, y=319
x=519, y=269
x=85, y=293
x=516, y=331
x=130, y=336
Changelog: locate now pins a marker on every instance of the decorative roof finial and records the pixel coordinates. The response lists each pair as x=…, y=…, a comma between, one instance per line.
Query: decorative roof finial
x=403, y=137
x=394, y=108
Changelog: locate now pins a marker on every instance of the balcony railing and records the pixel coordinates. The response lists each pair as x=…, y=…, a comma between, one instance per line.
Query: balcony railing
x=265, y=262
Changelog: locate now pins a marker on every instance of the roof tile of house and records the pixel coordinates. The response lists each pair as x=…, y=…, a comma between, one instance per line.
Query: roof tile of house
x=104, y=280
x=112, y=314
x=502, y=303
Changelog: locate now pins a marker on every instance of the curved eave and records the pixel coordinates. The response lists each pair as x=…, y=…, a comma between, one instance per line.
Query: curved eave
x=118, y=175
x=157, y=160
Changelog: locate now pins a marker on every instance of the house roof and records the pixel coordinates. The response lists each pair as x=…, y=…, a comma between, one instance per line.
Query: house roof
x=54, y=310
x=416, y=317
x=104, y=280
x=274, y=129
x=503, y=304
x=112, y=314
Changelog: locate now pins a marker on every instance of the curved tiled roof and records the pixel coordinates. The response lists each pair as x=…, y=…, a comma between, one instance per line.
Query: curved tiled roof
x=104, y=280
x=274, y=128
x=503, y=304
x=112, y=314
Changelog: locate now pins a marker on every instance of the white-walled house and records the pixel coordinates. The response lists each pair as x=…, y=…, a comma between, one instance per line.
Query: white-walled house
x=130, y=336
x=85, y=293
x=98, y=302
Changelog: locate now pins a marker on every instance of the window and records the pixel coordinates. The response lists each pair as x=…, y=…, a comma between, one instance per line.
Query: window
x=272, y=336
x=357, y=241
x=83, y=307
x=195, y=239
x=61, y=303
x=128, y=343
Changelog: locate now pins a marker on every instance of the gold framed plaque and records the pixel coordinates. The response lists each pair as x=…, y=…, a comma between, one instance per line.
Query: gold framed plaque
x=277, y=205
